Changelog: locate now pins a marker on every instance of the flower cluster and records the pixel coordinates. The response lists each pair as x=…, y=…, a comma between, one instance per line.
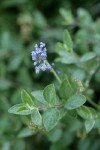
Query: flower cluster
x=39, y=56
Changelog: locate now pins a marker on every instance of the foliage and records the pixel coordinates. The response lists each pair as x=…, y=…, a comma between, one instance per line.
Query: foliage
x=53, y=110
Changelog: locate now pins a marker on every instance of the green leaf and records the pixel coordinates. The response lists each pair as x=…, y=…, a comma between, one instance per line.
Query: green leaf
x=78, y=74
x=75, y=101
x=41, y=21
x=14, y=63
x=4, y=85
x=67, y=40
x=55, y=134
x=65, y=57
x=59, y=46
x=38, y=95
x=20, y=109
x=98, y=122
x=62, y=112
x=84, y=17
x=49, y=94
x=67, y=16
x=84, y=112
x=65, y=90
x=88, y=56
x=25, y=133
x=72, y=113
x=26, y=99
x=36, y=117
x=50, y=118
x=89, y=124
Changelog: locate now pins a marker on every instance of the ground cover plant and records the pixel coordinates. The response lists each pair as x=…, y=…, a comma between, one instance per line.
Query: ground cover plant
x=49, y=75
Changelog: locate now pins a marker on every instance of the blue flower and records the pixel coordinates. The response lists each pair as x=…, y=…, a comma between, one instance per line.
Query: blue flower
x=39, y=56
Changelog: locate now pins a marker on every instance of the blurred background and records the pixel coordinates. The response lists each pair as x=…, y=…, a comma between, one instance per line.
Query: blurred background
x=22, y=24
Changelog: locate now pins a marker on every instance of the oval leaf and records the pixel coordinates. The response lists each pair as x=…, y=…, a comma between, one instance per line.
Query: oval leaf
x=25, y=133
x=65, y=89
x=36, y=117
x=50, y=94
x=88, y=56
x=75, y=101
x=38, y=95
x=50, y=118
x=67, y=40
x=26, y=99
x=19, y=109
x=84, y=112
x=89, y=124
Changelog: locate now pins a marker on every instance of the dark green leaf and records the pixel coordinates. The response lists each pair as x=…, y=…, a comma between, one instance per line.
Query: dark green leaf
x=55, y=134
x=4, y=85
x=65, y=90
x=98, y=122
x=72, y=113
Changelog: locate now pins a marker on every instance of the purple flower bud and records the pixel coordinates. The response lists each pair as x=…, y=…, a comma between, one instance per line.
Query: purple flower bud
x=37, y=69
x=39, y=56
x=58, y=72
x=52, y=64
x=35, y=63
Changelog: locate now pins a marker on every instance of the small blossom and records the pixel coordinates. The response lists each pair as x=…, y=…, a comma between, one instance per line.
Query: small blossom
x=52, y=64
x=39, y=56
x=37, y=69
x=58, y=72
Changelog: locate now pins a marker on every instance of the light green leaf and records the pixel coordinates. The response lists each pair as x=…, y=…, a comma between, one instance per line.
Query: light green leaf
x=38, y=95
x=50, y=118
x=84, y=112
x=65, y=90
x=88, y=56
x=20, y=109
x=62, y=112
x=89, y=124
x=59, y=46
x=26, y=99
x=65, y=57
x=78, y=74
x=49, y=94
x=25, y=133
x=84, y=17
x=67, y=40
x=75, y=101
x=67, y=16
x=36, y=117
